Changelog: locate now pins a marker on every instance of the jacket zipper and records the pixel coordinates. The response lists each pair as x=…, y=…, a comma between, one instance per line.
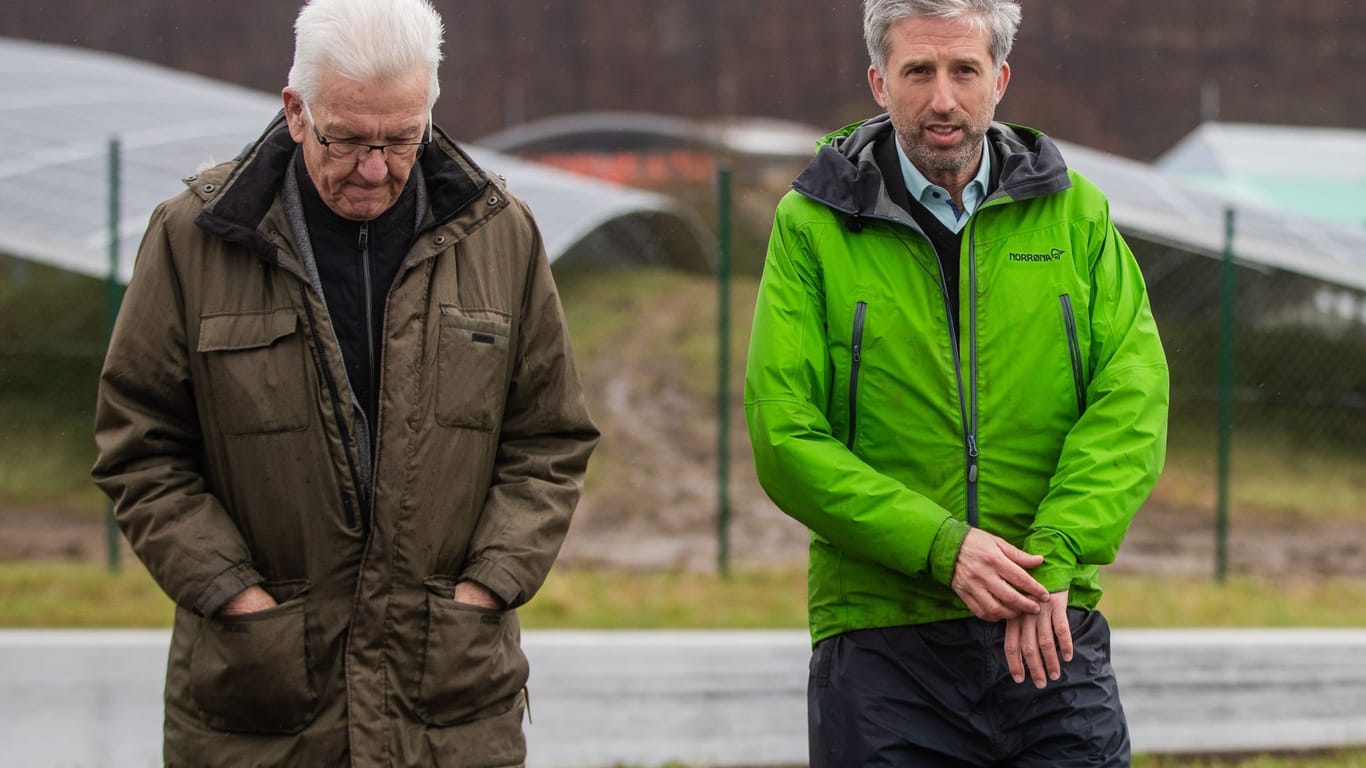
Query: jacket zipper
x=860, y=314
x=1069, y=319
x=348, y=504
x=972, y=467
x=367, y=282
x=967, y=416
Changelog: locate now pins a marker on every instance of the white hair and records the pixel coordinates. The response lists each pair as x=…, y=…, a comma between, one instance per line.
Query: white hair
x=365, y=41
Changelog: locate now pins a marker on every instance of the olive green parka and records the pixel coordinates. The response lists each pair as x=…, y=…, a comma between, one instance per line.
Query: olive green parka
x=236, y=455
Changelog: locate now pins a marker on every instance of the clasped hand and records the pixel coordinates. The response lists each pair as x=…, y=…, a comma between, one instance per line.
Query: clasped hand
x=992, y=577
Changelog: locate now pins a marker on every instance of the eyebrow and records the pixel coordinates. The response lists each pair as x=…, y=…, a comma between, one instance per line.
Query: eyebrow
x=335, y=133
x=957, y=61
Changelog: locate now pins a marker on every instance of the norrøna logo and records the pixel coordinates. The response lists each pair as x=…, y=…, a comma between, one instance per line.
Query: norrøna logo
x=1054, y=255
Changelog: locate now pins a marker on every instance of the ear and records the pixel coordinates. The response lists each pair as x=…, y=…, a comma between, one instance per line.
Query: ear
x=294, y=114
x=1002, y=80
x=878, y=84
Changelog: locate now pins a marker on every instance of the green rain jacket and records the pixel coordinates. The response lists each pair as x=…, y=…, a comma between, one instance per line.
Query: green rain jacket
x=887, y=434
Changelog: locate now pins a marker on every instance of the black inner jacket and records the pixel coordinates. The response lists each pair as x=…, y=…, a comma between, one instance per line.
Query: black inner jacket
x=343, y=257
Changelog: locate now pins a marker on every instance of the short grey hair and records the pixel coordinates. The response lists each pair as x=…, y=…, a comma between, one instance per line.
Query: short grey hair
x=365, y=41
x=1000, y=18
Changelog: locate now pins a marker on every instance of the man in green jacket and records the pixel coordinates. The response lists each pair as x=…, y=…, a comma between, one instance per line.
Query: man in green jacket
x=342, y=426
x=956, y=383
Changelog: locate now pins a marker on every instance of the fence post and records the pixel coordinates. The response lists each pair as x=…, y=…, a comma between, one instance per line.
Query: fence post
x=113, y=297
x=723, y=185
x=1228, y=299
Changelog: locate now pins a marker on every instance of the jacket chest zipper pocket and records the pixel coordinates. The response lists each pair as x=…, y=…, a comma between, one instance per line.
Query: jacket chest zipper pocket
x=856, y=362
x=1069, y=320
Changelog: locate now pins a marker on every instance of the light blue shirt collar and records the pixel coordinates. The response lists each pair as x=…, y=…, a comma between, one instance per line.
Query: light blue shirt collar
x=937, y=200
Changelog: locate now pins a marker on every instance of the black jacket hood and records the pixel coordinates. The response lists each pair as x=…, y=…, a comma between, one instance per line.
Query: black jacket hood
x=452, y=180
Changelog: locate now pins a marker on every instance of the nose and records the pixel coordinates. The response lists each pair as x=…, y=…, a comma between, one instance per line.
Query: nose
x=372, y=167
x=943, y=101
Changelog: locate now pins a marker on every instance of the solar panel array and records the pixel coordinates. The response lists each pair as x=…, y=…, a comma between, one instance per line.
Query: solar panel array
x=60, y=108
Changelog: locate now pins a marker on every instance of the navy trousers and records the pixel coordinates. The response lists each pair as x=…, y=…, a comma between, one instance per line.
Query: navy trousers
x=940, y=696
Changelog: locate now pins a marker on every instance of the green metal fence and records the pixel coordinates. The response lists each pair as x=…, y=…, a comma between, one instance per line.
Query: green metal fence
x=1289, y=398
x=1268, y=382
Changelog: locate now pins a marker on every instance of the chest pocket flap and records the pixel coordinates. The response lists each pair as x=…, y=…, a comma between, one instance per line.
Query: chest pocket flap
x=221, y=333
x=256, y=363
x=472, y=369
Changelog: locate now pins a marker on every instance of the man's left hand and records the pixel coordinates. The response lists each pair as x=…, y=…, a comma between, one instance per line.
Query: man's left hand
x=1038, y=641
x=476, y=594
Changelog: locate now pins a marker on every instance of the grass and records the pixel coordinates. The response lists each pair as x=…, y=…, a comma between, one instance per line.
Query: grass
x=603, y=309
x=1274, y=468
x=1352, y=759
x=60, y=595
x=1158, y=602
x=46, y=454
x=80, y=596
x=51, y=346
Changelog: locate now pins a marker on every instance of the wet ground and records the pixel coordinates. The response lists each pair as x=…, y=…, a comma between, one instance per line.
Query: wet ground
x=92, y=699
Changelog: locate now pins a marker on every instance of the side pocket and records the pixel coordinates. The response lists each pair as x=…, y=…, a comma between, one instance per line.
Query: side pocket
x=471, y=370
x=258, y=371
x=856, y=363
x=472, y=665
x=821, y=661
x=1069, y=320
x=252, y=673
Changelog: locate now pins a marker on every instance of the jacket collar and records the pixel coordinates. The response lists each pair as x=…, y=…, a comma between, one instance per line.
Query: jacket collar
x=243, y=196
x=845, y=174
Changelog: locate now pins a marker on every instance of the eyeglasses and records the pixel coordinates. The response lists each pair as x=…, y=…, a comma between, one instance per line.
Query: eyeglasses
x=351, y=151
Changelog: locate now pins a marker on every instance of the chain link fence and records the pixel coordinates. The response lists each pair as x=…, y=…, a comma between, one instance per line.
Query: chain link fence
x=52, y=342
x=1296, y=460
x=1299, y=347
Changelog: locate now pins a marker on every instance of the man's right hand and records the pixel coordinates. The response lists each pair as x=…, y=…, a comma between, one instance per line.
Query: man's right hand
x=990, y=577
x=249, y=600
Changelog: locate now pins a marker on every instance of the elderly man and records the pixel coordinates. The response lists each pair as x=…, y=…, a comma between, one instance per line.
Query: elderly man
x=956, y=383
x=341, y=423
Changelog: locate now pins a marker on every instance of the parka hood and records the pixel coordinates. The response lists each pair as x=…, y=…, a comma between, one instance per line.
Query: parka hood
x=845, y=176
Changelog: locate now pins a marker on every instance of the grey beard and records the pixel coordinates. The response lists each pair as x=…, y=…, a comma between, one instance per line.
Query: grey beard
x=939, y=161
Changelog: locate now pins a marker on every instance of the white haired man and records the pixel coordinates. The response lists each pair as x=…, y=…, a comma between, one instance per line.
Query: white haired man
x=956, y=383
x=342, y=426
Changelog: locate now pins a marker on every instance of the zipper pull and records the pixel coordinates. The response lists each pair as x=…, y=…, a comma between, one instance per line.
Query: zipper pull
x=972, y=456
x=364, y=239
x=972, y=446
x=858, y=353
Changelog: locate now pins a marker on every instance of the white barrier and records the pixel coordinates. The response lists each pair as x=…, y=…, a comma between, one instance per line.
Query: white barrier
x=92, y=699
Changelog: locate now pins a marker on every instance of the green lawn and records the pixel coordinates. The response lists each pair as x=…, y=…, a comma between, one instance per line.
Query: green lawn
x=86, y=595
x=1354, y=759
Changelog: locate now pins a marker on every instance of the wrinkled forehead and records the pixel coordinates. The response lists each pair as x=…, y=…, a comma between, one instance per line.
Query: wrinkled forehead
x=390, y=99
x=935, y=37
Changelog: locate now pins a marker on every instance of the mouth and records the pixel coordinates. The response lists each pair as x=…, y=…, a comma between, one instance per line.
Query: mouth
x=366, y=193
x=942, y=134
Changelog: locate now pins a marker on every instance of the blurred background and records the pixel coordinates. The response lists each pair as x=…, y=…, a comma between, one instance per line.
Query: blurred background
x=1230, y=136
